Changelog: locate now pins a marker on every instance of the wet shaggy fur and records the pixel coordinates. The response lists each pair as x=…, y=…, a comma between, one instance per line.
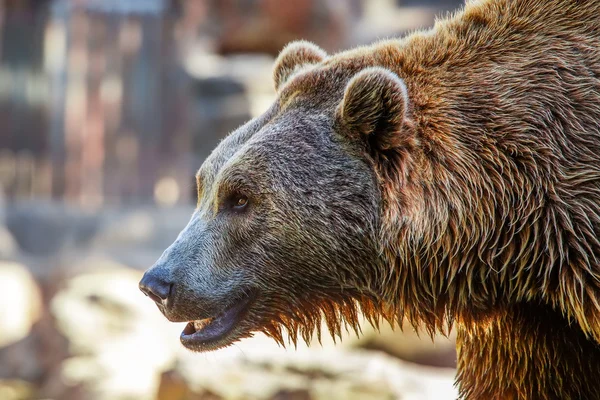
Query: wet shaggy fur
x=450, y=178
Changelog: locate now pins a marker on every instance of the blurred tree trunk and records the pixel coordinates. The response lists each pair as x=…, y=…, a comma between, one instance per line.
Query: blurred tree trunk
x=23, y=111
x=129, y=83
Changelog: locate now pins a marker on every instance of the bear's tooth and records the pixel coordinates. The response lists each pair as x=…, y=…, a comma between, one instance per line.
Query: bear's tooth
x=198, y=325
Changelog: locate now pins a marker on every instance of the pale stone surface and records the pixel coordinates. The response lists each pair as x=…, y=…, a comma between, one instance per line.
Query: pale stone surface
x=20, y=303
x=120, y=346
x=410, y=345
x=13, y=389
x=8, y=245
x=119, y=342
x=256, y=368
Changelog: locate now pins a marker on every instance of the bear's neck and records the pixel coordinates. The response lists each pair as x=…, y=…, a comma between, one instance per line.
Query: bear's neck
x=526, y=351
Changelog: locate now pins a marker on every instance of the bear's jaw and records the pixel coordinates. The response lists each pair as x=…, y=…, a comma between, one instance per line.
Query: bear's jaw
x=218, y=331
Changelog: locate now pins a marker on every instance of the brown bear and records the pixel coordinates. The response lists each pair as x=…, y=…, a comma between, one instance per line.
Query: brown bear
x=451, y=178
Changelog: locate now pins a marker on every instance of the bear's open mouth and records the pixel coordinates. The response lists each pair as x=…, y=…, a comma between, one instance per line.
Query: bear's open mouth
x=218, y=331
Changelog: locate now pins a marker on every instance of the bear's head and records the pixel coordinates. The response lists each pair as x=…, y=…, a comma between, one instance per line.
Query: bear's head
x=291, y=206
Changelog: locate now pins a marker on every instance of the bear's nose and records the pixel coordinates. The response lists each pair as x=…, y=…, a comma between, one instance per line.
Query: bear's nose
x=155, y=287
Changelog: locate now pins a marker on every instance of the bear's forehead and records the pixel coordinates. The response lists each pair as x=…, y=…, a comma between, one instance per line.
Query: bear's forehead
x=284, y=137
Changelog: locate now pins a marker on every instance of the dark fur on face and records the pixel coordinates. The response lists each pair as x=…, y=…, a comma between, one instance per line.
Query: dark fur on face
x=451, y=178
x=310, y=218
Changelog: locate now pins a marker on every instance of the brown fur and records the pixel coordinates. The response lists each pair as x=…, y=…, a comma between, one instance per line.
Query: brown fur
x=451, y=178
x=499, y=204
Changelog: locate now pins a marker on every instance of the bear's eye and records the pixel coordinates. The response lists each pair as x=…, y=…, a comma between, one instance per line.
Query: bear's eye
x=239, y=201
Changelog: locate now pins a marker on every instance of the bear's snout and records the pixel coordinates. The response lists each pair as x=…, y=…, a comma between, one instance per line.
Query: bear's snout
x=156, y=287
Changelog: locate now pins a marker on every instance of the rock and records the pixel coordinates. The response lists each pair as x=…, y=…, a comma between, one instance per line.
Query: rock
x=121, y=347
x=36, y=353
x=8, y=245
x=20, y=303
x=408, y=345
x=405, y=344
x=257, y=369
x=37, y=359
x=118, y=342
x=173, y=386
x=13, y=389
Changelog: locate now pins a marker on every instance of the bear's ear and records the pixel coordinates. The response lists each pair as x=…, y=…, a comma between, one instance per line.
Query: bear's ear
x=292, y=57
x=374, y=108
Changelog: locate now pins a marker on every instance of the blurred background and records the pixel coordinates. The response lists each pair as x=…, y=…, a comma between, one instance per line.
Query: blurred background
x=107, y=109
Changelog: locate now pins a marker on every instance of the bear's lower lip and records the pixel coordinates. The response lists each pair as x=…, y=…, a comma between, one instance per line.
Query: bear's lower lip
x=215, y=332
